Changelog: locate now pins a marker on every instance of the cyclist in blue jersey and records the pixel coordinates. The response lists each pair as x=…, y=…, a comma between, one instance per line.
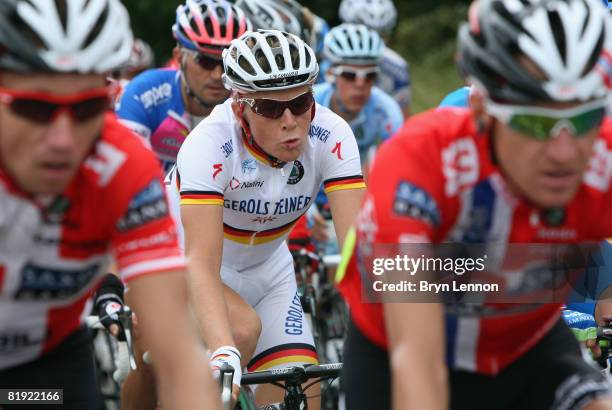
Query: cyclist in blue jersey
x=163, y=105
x=381, y=15
x=372, y=114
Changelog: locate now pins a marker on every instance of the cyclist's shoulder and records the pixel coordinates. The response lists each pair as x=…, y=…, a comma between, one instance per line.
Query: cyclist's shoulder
x=119, y=163
x=448, y=123
x=326, y=119
x=395, y=67
x=380, y=99
x=129, y=145
x=457, y=98
x=215, y=136
x=153, y=88
x=322, y=93
x=392, y=58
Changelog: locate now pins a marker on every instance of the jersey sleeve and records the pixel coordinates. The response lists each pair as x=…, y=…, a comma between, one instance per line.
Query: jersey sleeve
x=402, y=92
x=143, y=233
x=202, y=172
x=341, y=165
x=131, y=109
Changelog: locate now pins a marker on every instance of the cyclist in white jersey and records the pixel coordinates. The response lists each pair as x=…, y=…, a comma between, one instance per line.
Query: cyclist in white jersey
x=381, y=15
x=245, y=175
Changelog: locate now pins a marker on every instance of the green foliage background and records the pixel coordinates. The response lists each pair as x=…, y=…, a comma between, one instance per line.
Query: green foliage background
x=424, y=36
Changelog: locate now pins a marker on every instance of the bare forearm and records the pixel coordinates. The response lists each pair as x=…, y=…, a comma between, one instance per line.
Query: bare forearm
x=416, y=354
x=168, y=329
x=417, y=384
x=211, y=310
x=345, y=207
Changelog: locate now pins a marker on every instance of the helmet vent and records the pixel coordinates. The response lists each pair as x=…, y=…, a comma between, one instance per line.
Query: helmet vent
x=558, y=34
x=97, y=28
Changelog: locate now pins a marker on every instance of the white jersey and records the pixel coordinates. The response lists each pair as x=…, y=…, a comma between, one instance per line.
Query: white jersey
x=261, y=202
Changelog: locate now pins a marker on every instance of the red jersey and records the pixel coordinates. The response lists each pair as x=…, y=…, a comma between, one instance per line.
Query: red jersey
x=54, y=249
x=435, y=182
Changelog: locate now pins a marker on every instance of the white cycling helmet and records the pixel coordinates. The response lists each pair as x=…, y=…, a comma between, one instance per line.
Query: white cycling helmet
x=268, y=60
x=566, y=42
x=84, y=36
x=380, y=15
x=353, y=44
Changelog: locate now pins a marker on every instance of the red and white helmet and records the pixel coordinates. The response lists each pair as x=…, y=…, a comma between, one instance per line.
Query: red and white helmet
x=209, y=26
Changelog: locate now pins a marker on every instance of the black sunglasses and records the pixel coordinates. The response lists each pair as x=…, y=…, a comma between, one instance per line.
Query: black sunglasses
x=205, y=62
x=42, y=107
x=274, y=108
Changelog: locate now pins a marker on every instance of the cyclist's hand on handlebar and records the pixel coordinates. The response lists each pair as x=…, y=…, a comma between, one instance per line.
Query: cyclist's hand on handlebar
x=109, y=303
x=592, y=345
x=231, y=356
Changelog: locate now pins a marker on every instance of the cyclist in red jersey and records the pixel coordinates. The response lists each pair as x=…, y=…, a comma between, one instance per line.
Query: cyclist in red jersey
x=529, y=163
x=75, y=188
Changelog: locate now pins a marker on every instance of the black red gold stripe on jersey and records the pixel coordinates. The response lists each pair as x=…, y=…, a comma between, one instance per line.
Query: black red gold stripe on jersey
x=260, y=155
x=201, y=198
x=257, y=237
x=286, y=354
x=350, y=182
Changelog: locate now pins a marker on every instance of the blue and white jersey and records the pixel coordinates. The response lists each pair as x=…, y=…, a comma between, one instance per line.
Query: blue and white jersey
x=152, y=106
x=380, y=118
x=394, y=78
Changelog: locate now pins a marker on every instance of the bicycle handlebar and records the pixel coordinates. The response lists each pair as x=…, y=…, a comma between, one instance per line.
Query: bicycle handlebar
x=292, y=375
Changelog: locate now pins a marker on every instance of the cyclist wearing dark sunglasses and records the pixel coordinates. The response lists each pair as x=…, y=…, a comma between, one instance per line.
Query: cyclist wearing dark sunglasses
x=527, y=162
x=75, y=187
x=245, y=175
x=163, y=105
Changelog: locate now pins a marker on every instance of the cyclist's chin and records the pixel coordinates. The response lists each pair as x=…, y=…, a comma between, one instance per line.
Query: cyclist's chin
x=214, y=95
x=552, y=198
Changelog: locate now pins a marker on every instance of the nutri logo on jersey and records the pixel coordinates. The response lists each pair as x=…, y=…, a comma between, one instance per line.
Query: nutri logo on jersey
x=236, y=184
x=297, y=173
x=148, y=205
x=43, y=283
x=415, y=202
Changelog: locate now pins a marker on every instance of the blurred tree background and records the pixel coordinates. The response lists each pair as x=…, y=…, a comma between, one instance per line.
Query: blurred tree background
x=424, y=36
